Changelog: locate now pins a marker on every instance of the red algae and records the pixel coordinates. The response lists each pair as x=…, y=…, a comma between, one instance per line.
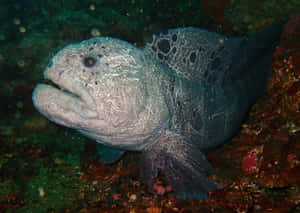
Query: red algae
x=250, y=163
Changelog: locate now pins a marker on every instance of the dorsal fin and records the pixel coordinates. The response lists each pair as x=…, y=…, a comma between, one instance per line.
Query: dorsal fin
x=193, y=53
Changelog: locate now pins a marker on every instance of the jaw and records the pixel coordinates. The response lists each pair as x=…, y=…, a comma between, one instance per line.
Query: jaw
x=124, y=110
x=107, y=115
x=62, y=107
x=70, y=110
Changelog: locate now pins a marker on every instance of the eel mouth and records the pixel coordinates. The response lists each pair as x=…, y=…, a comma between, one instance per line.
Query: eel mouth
x=64, y=90
x=60, y=103
x=75, y=90
x=68, y=92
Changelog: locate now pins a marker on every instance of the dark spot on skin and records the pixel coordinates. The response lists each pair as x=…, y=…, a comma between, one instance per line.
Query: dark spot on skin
x=160, y=56
x=50, y=64
x=60, y=73
x=205, y=73
x=165, y=32
x=200, y=49
x=154, y=49
x=212, y=55
x=193, y=57
x=174, y=37
x=174, y=50
x=89, y=61
x=221, y=48
x=164, y=45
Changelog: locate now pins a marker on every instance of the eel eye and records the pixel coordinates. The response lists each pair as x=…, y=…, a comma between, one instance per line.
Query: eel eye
x=89, y=61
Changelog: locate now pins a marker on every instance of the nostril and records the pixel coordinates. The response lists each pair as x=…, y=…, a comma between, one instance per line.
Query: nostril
x=60, y=73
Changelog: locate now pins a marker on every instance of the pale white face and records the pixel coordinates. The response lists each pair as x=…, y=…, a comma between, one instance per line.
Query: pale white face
x=106, y=91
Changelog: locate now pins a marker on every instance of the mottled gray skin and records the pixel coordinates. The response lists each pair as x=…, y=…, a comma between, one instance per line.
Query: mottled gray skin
x=187, y=91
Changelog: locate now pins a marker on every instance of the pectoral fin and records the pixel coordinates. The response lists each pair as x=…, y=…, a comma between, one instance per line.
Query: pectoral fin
x=185, y=167
x=108, y=155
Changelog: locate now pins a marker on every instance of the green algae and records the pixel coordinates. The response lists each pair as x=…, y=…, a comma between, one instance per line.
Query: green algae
x=8, y=187
x=52, y=189
x=45, y=172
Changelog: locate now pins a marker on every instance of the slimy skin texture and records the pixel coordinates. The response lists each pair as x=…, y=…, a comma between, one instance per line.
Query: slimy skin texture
x=187, y=91
x=116, y=100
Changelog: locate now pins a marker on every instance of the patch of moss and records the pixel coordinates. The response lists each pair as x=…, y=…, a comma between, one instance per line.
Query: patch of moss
x=52, y=189
x=8, y=187
x=47, y=172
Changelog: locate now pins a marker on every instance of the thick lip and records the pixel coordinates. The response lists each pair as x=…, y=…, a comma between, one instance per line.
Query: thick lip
x=68, y=85
x=66, y=91
x=62, y=89
x=61, y=105
x=70, y=93
x=72, y=88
